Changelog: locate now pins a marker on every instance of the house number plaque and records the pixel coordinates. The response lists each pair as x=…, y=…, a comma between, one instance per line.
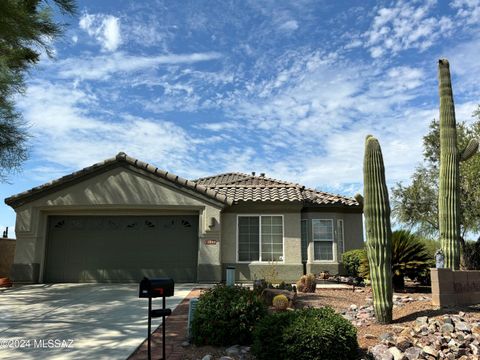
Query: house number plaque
x=210, y=242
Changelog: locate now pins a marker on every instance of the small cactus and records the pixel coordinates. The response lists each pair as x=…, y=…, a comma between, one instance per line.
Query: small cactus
x=280, y=302
x=376, y=208
x=307, y=284
x=449, y=177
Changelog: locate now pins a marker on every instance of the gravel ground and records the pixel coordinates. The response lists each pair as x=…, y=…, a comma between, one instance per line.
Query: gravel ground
x=368, y=334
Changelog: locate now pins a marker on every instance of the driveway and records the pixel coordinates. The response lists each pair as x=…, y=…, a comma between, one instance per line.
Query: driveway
x=76, y=321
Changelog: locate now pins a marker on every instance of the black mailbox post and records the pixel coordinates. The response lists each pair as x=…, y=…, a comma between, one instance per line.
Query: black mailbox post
x=153, y=288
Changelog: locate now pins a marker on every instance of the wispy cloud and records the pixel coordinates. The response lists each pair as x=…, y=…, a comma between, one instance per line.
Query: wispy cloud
x=79, y=134
x=467, y=10
x=403, y=26
x=289, y=25
x=104, y=28
x=102, y=67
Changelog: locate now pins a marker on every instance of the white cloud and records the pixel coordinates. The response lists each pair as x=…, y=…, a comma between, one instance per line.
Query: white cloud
x=467, y=10
x=405, y=25
x=220, y=126
x=101, y=67
x=104, y=28
x=290, y=25
x=69, y=136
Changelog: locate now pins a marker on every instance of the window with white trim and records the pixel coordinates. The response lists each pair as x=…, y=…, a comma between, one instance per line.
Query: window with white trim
x=260, y=238
x=323, y=235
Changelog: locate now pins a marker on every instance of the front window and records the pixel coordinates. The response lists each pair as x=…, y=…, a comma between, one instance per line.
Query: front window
x=260, y=238
x=322, y=239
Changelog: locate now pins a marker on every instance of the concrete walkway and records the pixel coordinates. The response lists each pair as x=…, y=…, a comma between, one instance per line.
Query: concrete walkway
x=76, y=321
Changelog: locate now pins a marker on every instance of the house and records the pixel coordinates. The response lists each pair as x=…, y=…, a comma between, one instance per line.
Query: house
x=121, y=219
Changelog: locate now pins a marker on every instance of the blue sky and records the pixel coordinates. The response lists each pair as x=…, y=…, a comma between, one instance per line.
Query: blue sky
x=286, y=88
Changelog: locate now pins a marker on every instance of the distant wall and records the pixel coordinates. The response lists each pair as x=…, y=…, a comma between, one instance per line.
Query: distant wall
x=7, y=253
x=455, y=287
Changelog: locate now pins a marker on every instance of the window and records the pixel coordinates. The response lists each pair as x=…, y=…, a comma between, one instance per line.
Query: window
x=260, y=238
x=340, y=239
x=304, y=237
x=322, y=239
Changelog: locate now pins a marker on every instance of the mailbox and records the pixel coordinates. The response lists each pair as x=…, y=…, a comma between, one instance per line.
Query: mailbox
x=153, y=288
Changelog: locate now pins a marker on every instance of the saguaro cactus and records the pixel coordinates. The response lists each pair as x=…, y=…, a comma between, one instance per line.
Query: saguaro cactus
x=449, y=182
x=376, y=208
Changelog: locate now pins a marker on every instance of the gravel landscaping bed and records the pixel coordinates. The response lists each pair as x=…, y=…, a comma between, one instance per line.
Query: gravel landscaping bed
x=414, y=317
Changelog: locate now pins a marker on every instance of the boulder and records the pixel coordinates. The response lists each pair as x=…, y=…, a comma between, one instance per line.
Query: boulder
x=269, y=294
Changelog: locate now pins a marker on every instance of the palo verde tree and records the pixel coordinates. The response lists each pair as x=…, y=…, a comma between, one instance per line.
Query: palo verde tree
x=27, y=27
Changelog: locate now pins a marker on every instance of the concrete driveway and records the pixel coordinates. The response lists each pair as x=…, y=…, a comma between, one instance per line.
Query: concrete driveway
x=76, y=321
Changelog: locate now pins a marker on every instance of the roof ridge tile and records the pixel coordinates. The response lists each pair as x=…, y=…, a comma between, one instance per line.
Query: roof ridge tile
x=120, y=157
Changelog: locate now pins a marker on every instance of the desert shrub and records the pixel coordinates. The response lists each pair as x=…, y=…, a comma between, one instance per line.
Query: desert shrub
x=226, y=315
x=280, y=302
x=410, y=257
x=307, y=283
x=305, y=334
x=351, y=261
x=285, y=286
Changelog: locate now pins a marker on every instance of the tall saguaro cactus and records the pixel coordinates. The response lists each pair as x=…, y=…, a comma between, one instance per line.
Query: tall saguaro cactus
x=449, y=182
x=376, y=208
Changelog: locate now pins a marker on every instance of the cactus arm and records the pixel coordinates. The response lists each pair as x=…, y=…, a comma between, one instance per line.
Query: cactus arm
x=359, y=198
x=470, y=150
x=378, y=230
x=449, y=191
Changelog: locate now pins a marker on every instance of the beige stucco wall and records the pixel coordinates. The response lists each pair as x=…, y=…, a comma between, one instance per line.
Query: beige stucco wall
x=119, y=191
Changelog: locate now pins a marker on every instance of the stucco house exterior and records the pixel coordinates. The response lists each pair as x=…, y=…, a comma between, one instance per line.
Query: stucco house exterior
x=121, y=219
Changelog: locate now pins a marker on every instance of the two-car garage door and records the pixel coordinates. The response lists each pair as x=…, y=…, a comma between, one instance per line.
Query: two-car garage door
x=121, y=248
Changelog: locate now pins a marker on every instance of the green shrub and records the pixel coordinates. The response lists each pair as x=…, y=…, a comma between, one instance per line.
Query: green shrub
x=410, y=257
x=307, y=283
x=351, y=261
x=305, y=334
x=226, y=315
x=471, y=255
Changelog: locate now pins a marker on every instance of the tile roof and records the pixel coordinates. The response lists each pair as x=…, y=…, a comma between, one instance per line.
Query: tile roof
x=221, y=178
x=243, y=187
x=121, y=157
x=226, y=188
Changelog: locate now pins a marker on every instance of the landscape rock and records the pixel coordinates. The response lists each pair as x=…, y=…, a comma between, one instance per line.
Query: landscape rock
x=413, y=353
x=403, y=343
x=207, y=357
x=269, y=294
x=447, y=328
x=430, y=351
x=396, y=353
x=233, y=350
x=381, y=352
x=462, y=326
x=451, y=337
